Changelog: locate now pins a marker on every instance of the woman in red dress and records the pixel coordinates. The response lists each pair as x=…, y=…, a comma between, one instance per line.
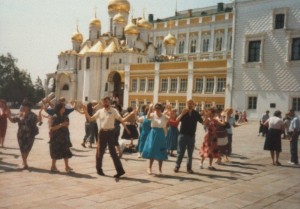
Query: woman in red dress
x=4, y=111
x=209, y=148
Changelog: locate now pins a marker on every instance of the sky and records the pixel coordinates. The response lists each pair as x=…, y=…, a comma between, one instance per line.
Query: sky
x=36, y=31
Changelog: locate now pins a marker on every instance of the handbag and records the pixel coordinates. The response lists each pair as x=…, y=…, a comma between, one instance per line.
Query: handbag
x=222, y=141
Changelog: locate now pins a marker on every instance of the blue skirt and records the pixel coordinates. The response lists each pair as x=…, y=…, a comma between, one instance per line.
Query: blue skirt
x=172, y=138
x=156, y=145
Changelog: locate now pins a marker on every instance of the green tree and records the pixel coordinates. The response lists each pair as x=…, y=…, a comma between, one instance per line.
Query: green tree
x=15, y=84
x=39, y=90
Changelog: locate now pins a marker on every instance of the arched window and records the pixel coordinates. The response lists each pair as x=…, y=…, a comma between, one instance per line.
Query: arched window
x=88, y=63
x=159, y=48
x=65, y=87
x=181, y=47
x=107, y=63
x=193, y=46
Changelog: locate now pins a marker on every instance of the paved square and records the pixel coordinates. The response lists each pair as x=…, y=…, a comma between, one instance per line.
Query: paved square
x=249, y=181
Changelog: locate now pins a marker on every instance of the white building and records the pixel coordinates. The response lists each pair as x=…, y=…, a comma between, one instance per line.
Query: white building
x=266, y=57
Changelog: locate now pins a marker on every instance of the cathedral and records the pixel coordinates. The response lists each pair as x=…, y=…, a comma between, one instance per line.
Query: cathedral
x=144, y=60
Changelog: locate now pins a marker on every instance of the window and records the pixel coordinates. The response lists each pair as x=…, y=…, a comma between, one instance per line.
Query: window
x=88, y=60
x=159, y=48
x=296, y=104
x=181, y=107
x=66, y=63
x=173, y=85
x=133, y=84
x=142, y=84
x=183, y=85
x=205, y=45
x=209, y=85
x=132, y=103
x=199, y=85
x=150, y=84
x=207, y=105
x=220, y=106
x=230, y=43
x=65, y=87
x=181, y=47
x=218, y=44
x=254, y=51
x=79, y=64
x=107, y=63
x=120, y=61
x=295, y=49
x=252, y=102
x=164, y=85
x=221, y=85
x=279, y=21
x=193, y=46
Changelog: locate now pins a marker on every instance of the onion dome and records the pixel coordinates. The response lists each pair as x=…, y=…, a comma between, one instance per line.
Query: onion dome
x=143, y=23
x=95, y=22
x=170, y=40
x=119, y=5
x=77, y=36
x=131, y=29
x=119, y=18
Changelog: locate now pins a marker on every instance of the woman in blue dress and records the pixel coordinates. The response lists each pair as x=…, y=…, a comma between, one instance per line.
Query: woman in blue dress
x=155, y=147
x=145, y=130
x=173, y=133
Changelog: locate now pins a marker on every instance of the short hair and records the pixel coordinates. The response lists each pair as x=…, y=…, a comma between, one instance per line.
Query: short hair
x=129, y=109
x=158, y=106
x=58, y=107
x=106, y=98
x=26, y=104
x=277, y=113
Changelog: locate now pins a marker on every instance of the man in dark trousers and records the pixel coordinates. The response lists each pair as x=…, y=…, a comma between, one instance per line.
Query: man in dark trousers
x=107, y=116
x=186, y=139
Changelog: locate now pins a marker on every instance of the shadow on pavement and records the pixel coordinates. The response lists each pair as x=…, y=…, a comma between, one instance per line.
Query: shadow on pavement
x=80, y=150
x=72, y=174
x=245, y=164
x=213, y=176
x=238, y=156
x=239, y=166
x=14, y=155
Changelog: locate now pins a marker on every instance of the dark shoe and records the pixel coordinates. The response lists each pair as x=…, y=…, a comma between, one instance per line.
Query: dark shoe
x=83, y=144
x=211, y=168
x=190, y=171
x=100, y=173
x=176, y=170
x=118, y=175
x=278, y=163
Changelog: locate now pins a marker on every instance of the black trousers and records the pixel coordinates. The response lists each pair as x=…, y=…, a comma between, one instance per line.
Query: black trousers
x=107, y=138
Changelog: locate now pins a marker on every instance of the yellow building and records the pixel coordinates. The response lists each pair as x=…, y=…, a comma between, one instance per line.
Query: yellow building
x=176, y=82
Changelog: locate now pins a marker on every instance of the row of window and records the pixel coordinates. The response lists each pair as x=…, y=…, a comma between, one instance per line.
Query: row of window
x=193, y=44
x=252, y=103
x=201, y=85
x=180, y=106
x=255, y=48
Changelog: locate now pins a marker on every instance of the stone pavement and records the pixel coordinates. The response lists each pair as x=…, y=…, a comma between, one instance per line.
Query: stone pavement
x=249, y=181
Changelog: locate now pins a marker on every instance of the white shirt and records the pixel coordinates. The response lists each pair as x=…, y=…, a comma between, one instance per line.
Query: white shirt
x=275, y=123
x=157, y=122
x=107, y=117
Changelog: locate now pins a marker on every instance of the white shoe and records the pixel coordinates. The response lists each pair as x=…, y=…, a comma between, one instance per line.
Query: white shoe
x=139, y=155
x=201, y=166
x=290, y=162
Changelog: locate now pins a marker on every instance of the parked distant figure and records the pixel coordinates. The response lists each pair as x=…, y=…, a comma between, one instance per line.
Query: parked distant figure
x=287, y=121
x=262, y=128
x=236, y=116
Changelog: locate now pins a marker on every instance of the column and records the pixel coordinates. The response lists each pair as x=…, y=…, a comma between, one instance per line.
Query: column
x=156, y=82
x=186, y=43
x=212, y=40
x=178, y=85
x=198, y=47
x=169, y=84
x=190, y=80
x=215, y=84
x=126, y=86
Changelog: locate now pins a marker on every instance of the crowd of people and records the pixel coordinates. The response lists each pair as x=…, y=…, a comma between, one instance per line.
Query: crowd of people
x=161, y=133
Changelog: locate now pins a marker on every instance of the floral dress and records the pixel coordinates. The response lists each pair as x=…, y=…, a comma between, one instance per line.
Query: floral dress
x=27, y=131
x=209, y=147
x=59, y=139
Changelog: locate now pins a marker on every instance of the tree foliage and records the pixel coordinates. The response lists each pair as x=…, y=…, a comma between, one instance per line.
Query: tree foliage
x=16, y=84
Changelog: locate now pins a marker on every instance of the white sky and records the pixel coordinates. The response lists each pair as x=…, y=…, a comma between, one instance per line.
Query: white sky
x=36, y=31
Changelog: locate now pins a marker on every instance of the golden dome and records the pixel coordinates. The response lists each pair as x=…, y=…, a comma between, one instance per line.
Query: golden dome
x=131, y=28
x=170, y=40
x=144, y=24
x=119, y=18
x=119, y=5
x=77, y=36
x=95, y=22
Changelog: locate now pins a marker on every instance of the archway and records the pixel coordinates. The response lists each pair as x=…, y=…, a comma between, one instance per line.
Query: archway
x=116, y=79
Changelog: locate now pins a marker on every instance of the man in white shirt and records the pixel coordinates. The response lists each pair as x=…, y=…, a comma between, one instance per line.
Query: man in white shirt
x=294, y=133
x=107, y=116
